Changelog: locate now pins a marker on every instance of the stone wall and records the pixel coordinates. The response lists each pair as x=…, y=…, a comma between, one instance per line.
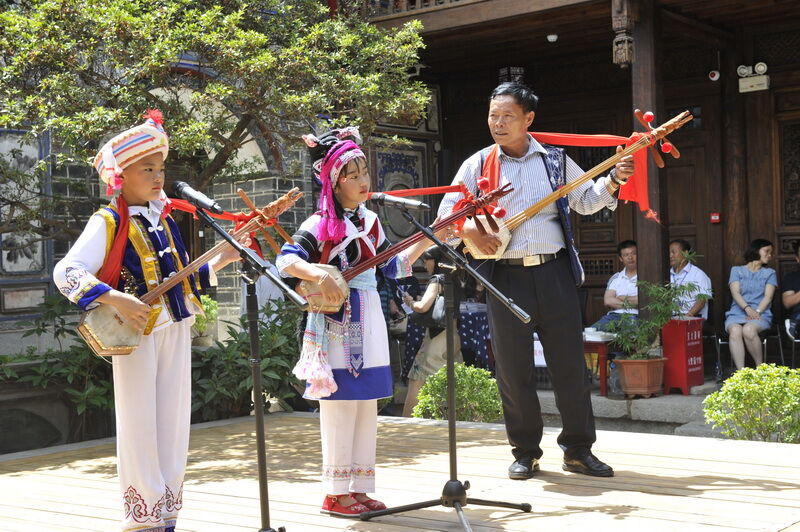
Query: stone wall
x=261, y=191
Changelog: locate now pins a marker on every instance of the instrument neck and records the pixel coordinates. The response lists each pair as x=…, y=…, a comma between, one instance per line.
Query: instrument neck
x=405, y=243
x=520, y=218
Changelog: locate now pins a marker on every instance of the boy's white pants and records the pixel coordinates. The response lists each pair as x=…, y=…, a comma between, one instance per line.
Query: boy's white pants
x=152, y=394
x=349, y=431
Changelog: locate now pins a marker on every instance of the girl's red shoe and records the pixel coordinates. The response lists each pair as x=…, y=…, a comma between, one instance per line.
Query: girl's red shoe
x=331, y=506
x=370, y=503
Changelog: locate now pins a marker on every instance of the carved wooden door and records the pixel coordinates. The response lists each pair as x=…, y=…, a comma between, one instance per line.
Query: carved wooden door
x=693, y=186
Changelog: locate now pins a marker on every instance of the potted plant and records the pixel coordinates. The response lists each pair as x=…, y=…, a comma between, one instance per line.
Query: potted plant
x=202, y=322
x=641, y=368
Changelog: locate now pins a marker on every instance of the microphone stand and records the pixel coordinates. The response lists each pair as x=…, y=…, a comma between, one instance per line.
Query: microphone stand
x=252, y=267
x=454, y=494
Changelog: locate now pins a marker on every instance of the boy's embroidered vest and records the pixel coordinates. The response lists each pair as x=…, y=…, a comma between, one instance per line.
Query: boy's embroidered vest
x=555, y=165
x=148, y=259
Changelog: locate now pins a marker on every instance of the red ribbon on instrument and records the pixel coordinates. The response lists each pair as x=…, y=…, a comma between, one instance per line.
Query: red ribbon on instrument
x=112, y=267
x=239, y=218
x=634, y=190
x=636, y=187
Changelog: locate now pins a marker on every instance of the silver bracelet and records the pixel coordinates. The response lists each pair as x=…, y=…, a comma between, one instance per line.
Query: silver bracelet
x=613, y=175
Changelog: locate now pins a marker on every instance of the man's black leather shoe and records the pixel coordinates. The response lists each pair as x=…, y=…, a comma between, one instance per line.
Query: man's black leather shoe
x=587, y=464
x=523, y=468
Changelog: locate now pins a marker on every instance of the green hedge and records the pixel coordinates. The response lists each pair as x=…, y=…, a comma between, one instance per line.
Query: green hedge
x=477, y=396
x=758, y=404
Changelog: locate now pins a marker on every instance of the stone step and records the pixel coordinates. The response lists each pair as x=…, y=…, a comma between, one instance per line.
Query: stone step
x=664, y=414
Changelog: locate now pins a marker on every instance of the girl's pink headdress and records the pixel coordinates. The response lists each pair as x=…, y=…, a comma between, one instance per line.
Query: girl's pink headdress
x=337, y=157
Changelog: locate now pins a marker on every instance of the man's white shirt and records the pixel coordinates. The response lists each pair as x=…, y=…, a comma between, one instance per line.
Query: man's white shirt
x=624, y=286
x=692, y=274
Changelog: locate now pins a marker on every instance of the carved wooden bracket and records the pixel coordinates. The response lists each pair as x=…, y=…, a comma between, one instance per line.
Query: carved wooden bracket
x=622, y=23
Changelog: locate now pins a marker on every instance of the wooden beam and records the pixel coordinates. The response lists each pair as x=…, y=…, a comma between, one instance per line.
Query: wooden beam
x=698, y=31
x=646, y=95
x=479, y=12
x=734, y=170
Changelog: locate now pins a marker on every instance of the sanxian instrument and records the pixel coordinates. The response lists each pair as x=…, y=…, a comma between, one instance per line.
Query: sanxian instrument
x=511, y=223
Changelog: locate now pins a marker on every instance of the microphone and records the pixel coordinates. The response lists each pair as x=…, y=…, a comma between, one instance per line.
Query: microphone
x=198, y=199
x=387, y=200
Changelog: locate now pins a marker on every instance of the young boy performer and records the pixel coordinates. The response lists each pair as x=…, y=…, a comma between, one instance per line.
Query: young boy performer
x=126, y=249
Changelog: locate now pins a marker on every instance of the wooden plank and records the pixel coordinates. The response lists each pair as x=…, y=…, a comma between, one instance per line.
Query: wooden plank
x=662, y=483
x=463, y=15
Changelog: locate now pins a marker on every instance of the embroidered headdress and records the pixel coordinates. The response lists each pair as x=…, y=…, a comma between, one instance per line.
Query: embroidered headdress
x=130, y=146
x=330, y=152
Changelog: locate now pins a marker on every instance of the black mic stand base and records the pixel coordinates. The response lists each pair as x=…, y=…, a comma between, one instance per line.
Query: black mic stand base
x=454, y=495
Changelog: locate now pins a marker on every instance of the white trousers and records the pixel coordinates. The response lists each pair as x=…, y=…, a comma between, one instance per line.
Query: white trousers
x=152, y=394
x=349, y=431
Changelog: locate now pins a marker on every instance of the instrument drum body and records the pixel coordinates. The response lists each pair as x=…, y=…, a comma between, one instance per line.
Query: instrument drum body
x=504, y=235
x=310, y=290
x=107, y=333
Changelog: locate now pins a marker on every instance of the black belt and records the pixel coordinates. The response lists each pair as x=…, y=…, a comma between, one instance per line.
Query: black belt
x=533, y=260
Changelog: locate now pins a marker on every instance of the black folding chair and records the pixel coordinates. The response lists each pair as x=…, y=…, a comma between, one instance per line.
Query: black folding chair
x=793, y=340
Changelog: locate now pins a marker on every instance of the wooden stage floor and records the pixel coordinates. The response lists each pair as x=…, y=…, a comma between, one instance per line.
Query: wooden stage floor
x=662, y=482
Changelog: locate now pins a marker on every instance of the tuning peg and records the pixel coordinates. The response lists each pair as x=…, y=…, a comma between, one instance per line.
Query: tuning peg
x=667, y=147
x=252, y=206
x=656, y=157
x=492, y=224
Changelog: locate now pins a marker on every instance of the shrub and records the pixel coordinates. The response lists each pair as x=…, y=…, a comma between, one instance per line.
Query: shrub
x=477, y=396
x=221, y=374
x=758, y=404
x=635, y=336
x=211, y=309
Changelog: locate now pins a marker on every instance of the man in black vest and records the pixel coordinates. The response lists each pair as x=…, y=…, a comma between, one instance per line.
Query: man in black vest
x=540, y=270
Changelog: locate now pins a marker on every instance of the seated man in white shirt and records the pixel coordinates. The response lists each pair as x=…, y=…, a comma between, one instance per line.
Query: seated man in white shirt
x=621, y=295
x=683, y=272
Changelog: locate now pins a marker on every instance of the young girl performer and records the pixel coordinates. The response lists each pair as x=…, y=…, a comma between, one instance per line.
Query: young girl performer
x=126, y=249
x=345, y=356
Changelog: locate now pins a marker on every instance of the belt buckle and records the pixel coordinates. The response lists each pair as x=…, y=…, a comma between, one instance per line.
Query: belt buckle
x=531, y=260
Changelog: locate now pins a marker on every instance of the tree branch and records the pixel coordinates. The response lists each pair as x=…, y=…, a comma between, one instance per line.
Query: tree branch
x=222, y=156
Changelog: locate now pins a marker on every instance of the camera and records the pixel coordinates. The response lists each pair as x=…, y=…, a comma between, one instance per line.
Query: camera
x=713, y=75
